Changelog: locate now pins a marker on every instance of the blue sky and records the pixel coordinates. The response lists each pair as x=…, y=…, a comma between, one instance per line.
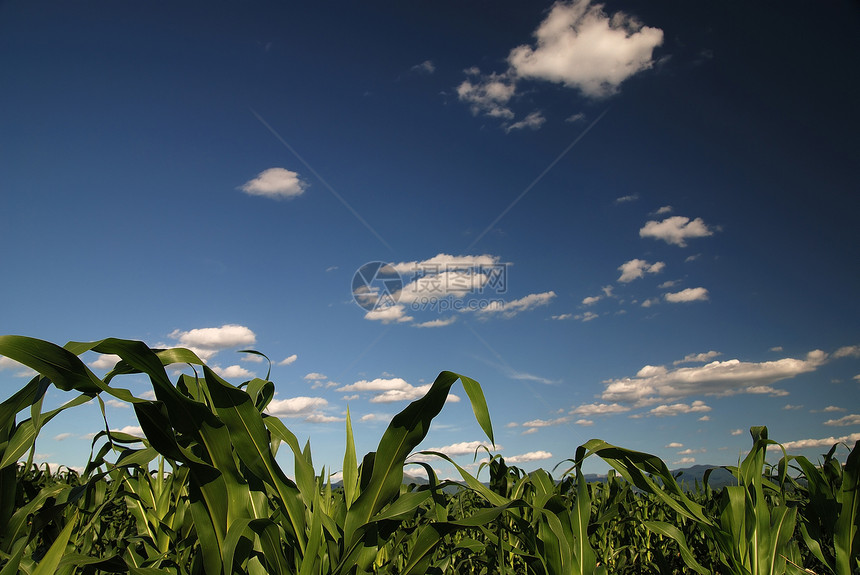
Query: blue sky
x=636, y=223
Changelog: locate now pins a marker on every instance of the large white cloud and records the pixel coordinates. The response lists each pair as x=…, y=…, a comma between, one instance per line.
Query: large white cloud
x=823, y=442
x=276, y=183
x=655, y=383
x=591, y=409
x=675, y=230
x=530, y=456
x=580, y=46
x=852, y=419
x=311, y=409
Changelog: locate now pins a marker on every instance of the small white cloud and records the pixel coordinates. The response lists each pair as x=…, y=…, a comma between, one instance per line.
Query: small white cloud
x=277, y=183
x=627, y=199
x=578, y=117
x=679, y=408
x=530, y=456
x=847, y=351
x=425, y=67
x=687, y=295
x=296, y=406
x=314, y=376
x=776, y=348
x=737, y=432
x=698, y=357
x=105, y=361
x=546, y=422
x=832, y=408
x=636, y=268
x=676, y=230
x=233, y=372
x=705, y=418
x=664, y=210
x=462, y=448
x=393, y=313
x=22, y=370
x=514, y=307
x=533, y=121
x=592, y=409
x=63, y=436
x=852, y=419
x=684, y=461
x=790, y=407
x=587, y=316
x=675, y=445
x=562, y=316
x=488, y=94
x=135, y=430
x=530, y=431
x=584, y=422
x=117, y=403
x=590, y=300
x=441, y=322
x=288, y=360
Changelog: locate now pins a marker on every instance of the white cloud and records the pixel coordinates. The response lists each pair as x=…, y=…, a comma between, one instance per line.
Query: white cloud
x=530, y=456
x=587, y=316
x=425, y=67
x=208, y=341
x=687, y=295
x=698, y=357
x=22, y=370
x=252, y=358
x=437, y=322
x=592, y=299
x=296, y=406
x=462, y=448
x=322, y=418
x=408, y=394
x=679, y=408
x=530, y=431
x=766, y=390
x=684, y=461
x=378, y=384
x=105, y=361
x=823, y=442
x=675, y=230
x=852, y=419
x=580, y=46
x=664, y=210
x=562, y=316
x=626, y=199
x=277, y=183
x=288, y=360
x=148, y=394
x=233, y=372
x=651, y=301
x=847, y=351
x=592, y=409
x=675, y=445
x=546, y=422
x=513, y=307
x=832, y=408
x=790, y=407
x=135, y=430
x=690, y=451
x=578, y=117
x=737, y=432
x=776, y=348
x=705, y=418
x=314, y=376
x=63, y=436
x=534, y=121
x=653, y=383
x=668, y=283
x=389, y=314
x=488, y=94
x=636, y=268
x=584, y=422
x=117, y=403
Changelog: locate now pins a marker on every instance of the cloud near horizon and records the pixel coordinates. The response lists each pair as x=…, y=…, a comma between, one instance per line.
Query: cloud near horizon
x=720, y=378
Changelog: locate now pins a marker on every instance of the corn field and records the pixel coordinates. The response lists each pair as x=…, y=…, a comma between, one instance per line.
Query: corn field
x=202, y=493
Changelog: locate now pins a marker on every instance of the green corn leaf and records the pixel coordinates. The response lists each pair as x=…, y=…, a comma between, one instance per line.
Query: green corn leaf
x=403, y=434
x=49, y=563
x=672, y=531
x=350, y=465
x=846, y=537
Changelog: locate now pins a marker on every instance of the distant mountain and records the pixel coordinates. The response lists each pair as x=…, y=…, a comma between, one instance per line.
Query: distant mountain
x=690, y=475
